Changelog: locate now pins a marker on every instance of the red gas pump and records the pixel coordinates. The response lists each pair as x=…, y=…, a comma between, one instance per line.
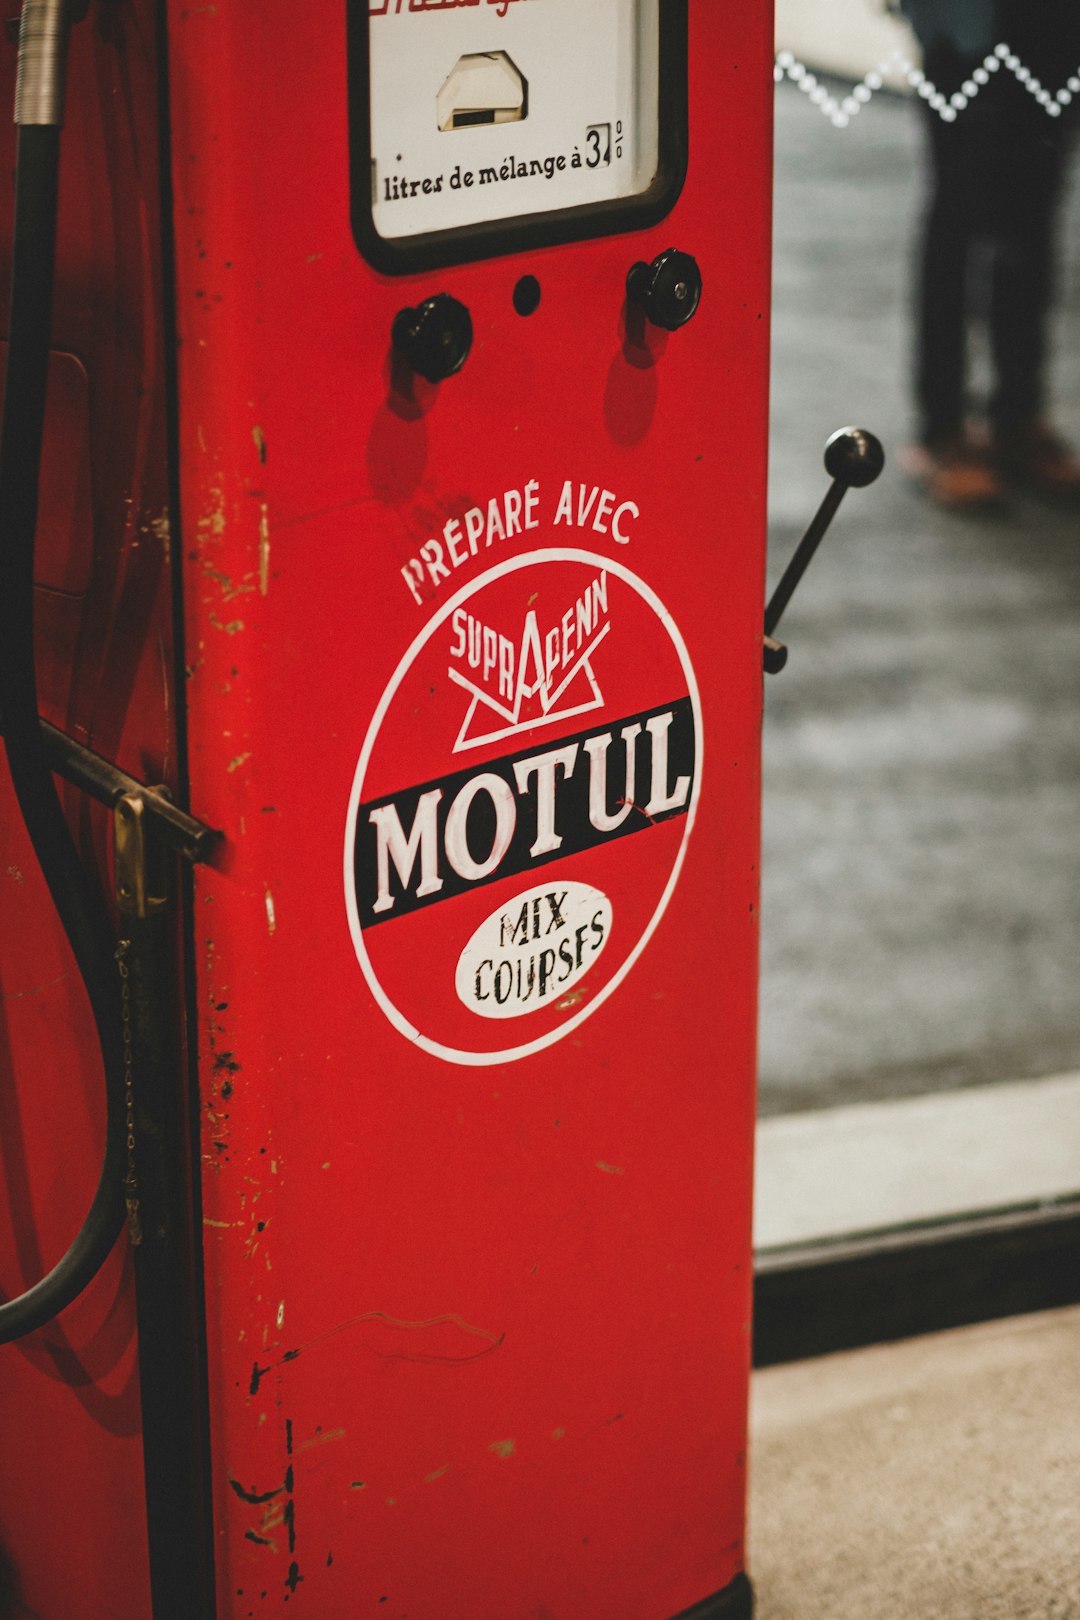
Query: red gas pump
x=438, y=386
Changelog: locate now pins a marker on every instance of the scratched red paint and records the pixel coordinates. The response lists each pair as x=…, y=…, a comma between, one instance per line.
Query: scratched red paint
x=477, y=1332
x=565, y=1434
x=72, y=1516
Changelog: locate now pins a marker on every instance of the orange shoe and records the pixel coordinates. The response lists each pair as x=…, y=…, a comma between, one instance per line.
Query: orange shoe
x=957, y=474
x=1036, y=457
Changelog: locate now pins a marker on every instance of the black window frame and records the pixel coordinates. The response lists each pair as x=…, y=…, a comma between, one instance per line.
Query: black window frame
x=436, y=250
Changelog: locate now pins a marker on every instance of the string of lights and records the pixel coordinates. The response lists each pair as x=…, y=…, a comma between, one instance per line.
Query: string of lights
x=840, y=110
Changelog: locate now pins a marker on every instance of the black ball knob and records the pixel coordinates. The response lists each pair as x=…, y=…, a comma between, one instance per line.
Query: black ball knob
x=853, y=457
x=434, y=338
x=669, y=289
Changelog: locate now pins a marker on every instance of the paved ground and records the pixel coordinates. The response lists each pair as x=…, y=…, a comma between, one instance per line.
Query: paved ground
x=922, y=791
x=903, y=1160
x=935, y=1478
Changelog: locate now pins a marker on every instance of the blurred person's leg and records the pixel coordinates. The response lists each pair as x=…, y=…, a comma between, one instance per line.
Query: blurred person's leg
x=941, y=311
x=1030, y=162
x=1030, y=154
x=955, y=470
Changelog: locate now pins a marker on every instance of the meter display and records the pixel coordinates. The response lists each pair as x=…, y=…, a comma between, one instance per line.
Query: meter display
x=478, y=122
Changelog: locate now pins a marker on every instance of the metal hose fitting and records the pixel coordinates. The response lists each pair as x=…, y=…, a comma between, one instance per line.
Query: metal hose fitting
x=39, y=89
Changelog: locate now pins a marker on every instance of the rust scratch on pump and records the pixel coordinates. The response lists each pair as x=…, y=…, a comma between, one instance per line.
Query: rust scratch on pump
x=391, y=1340
x=264, y=545
x=161, y=529
x=278, y=1510
x=34, y=990
x=225, y=582
x=271, y=914
x=211, y=526
x=320, y=1438
x=253, y=1497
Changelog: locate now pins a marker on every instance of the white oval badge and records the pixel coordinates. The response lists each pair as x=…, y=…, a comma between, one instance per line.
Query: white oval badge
x=533, y=951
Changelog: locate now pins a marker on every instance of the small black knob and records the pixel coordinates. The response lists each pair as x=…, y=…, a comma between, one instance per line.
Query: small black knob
x=853, y=457
x=435, y=338
x=775, y=655
x=669, y=289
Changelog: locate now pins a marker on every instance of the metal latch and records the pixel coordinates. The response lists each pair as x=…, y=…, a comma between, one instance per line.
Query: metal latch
x=140, y=872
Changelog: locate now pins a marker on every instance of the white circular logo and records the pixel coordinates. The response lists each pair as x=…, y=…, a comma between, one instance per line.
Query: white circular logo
x=521, y=804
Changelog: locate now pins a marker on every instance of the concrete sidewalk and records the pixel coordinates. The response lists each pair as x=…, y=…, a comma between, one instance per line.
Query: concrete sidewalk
x=937, y=1479
x=886, y=1165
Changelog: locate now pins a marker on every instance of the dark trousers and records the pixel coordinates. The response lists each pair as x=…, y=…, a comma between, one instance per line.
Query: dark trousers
x=996, y=181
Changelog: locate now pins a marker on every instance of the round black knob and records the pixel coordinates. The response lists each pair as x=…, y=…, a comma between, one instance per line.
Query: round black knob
x=435, y=338
x=669, y=289
x=853, y=457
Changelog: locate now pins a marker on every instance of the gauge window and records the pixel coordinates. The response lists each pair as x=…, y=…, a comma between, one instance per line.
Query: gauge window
x=475, y=125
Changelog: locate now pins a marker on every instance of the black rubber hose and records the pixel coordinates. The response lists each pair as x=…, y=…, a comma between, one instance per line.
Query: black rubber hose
x=78, y=902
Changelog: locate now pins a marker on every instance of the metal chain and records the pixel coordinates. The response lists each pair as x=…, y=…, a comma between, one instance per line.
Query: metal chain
x=131, y=1181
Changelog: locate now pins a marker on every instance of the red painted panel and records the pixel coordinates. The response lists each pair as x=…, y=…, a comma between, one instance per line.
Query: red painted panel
x=477, y=1288
x=72, y=1515
x=65, y=516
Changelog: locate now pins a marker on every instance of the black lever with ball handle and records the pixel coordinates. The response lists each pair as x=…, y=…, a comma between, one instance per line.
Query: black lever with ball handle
x=853, y=459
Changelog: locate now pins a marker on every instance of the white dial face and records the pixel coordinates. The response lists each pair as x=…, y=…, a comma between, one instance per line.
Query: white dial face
x=484, y=110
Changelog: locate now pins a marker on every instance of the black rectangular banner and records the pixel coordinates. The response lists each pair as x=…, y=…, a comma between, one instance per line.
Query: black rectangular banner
x=520, y=812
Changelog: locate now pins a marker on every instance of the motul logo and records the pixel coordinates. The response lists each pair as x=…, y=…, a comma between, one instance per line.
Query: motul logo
x=477, y=783
x=435, y=841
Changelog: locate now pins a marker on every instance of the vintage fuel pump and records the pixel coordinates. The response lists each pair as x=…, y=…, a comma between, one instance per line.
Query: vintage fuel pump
x=472, y=303
x=402, y=510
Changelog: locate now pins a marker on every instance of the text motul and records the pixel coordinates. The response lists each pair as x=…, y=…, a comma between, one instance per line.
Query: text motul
x=422, y=845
